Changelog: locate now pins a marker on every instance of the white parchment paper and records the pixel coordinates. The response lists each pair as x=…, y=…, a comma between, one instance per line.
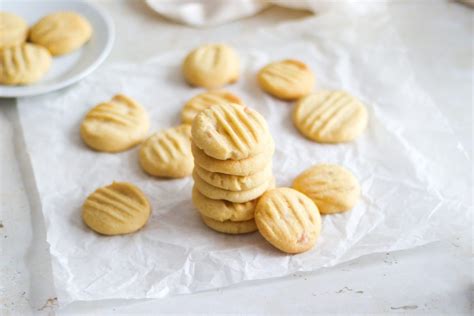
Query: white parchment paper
x=414, y=175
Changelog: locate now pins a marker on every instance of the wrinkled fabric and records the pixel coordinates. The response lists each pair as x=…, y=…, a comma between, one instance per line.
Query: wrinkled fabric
x=202, y=13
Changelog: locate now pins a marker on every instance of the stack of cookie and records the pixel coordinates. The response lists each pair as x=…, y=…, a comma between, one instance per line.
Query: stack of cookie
x=232, y=149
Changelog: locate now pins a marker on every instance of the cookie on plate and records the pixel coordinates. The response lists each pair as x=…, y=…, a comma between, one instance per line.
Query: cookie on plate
x=287, y=79
x=244, y=167
x=288, y=219
x=235, y=183
x=205, y=100
x=333, y=188
x=13, y=30
x=23, y=64
x=222, y=210
x=211, y=66
x=61, y=32
x=115, y=125
x=168, y=153
x=230, y=131
x=229, y=227
x=119, y=208
x=216, y=193
x=330, y=117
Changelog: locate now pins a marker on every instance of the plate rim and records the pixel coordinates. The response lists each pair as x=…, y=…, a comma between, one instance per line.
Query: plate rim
x=110, y=29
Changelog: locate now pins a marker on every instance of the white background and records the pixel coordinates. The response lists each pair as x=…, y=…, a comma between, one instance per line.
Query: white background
x=433, y=279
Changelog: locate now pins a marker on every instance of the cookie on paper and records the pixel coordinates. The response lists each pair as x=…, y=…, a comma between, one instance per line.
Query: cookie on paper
x=116, y=209
x=115, y=125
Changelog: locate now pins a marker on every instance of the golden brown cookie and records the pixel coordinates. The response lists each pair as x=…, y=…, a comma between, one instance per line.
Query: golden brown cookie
x=333, y=188
x=168, y=153
x=13, y=30
x=330, y=117
x=211, y=66
x=230, y=131
x=229, y=227
x=115, y=125
x=216, y=193
x=61, y=32
x=288, y=219
x=222, y=210
x=235, y=183
x=244, y=167
x=205, y=100
x=23, y=64
x=287, y=79
x=119, y=208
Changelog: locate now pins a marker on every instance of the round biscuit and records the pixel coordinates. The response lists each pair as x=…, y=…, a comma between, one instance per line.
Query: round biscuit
x=168, y=153
x=234, y=183
x=229, y=227
x=23, y=64
x=288, y=220
x=287, y=79
x=119, y=208
x=115, y=125
x=13, y=30
x=330, y=117
x=205, y=100
x=230, y=131
x=244, y=167
x=333, y=188
x=211, y=66
x=61, y=32
x=222, y=210
x=215, y=193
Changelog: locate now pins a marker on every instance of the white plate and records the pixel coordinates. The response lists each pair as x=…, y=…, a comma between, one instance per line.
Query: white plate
x=67, y=69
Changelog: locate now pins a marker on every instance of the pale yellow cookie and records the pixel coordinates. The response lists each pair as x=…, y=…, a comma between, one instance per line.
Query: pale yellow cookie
x=229, y=227
x=234, y=183
x=230, y=131
x=115, y=125
x=211, y=66
x=288, y=219
x=222, y=210
x=216, y=193
x=205, y=100
x=13, y=30
x=168, y=153
x=333, y=188
x=23, y=64
x=330, y=117
x=244, y=167
x=287, y=79
x=119, y=208
x=61, y=32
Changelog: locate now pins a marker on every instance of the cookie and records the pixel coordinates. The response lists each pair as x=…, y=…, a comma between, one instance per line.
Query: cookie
x=168, y=153
x=287, y=79
x=330, y=117
x=205, y=100
x=244, y=167
x=23, y=64
x=222, y=210
x=234, y=183
x=13, y=30
x=211, y=66
x=119, y=208
x=230, y=131
x=115, y=125
x=215, y=193
x=333, y=188
x=229, y=227
x=288, y=220
x=61, y=32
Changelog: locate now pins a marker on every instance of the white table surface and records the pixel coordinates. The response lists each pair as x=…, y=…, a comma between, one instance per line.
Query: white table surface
x=433, y=279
